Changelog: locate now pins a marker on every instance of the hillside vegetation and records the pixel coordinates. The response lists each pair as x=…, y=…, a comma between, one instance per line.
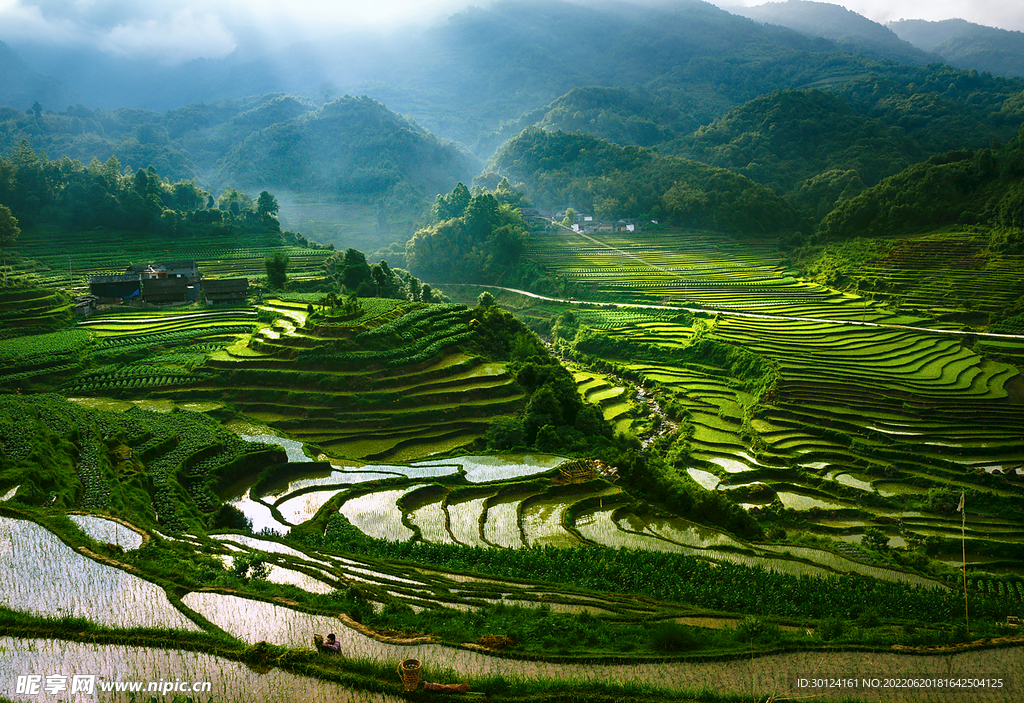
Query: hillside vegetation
x=852, y=32
x=348, y=149
x=963, y=187
x=967, y=45
x=811, y=146
x=593, y=175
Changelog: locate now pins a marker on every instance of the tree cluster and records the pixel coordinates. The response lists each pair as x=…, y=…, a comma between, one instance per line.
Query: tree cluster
x=473, y=237
x=37, y=192
x=352, y=274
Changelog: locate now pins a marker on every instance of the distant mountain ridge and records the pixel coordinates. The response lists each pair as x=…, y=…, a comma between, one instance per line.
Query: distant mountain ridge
x=967, y=45
x=486, y=65
x=851, y=31
x=352, y=147
x=21, y=86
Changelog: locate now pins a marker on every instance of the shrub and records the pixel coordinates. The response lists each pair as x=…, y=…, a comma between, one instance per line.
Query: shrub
x=672, y=637
x=758, y=630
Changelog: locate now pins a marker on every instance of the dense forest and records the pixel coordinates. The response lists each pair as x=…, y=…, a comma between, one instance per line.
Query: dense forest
x=472, y=238
x=962, y=187
x=596, y=176
x=966, y=44
x=65, y=195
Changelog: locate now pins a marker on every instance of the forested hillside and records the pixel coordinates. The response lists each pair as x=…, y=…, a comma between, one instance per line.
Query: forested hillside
x=348, y=148
x=965, y=187
x=852, y=32
x=966, y=44
x=54, y=199
x=593, y=175
x=472, y=238
x=810, y=146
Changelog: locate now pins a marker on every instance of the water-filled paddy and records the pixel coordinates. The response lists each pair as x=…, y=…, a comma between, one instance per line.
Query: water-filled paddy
x=260, y=514
x=798, y=501
x=705, y=478
x=483, y=469
x=376, y=514
x=230, y=681
x=432, y=520
x=43, y=576
x=730, y=465
x=291, y=447
x=542, y=524
x=852, y=481
x=501, y=524
x=104, y=530
x=747, y=677
x=464, y=521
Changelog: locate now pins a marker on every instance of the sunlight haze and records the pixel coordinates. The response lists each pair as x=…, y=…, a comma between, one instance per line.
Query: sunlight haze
x=177, y=32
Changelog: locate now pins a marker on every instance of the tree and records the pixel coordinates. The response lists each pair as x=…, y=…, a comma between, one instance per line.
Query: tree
x=354, y=270
x=235, y=202
x=266, y=205
x=570, y=218
x=277, y=269
x=451, y=205
x=9, y=229
x=874, y=538
x=486, y=300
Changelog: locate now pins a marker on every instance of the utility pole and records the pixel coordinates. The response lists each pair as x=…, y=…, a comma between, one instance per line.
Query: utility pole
x=962, y=509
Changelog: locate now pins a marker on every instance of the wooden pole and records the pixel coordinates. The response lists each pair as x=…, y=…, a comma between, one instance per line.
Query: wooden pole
x=963, y=547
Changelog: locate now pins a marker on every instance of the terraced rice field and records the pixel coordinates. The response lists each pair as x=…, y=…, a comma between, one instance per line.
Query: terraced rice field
x=51, y=259
x=944, y=270
x=852, y=404
x=398, y=402
x=50, y=578
x=689, y=269
x=283, y=623
x=610, y=395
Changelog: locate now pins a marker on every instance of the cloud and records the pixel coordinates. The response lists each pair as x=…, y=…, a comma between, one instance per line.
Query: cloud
x=992, y=13
x=178, y=30
x=185, y=34
x=173, y=31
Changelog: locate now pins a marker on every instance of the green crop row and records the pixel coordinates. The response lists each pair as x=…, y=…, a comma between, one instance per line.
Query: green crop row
x=395, y=356
x=408, y=321
x=63, y=342
x=39, y=371
x=147, y=340
x=137, y=382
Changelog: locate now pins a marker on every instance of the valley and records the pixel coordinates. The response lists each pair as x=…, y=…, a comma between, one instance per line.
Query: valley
x=576, y=353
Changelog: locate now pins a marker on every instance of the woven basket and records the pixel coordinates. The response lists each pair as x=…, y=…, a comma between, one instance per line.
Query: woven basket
x=409, y=670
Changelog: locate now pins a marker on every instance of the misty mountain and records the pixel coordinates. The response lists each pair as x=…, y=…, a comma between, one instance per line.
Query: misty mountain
x=967, y=45
x=21, y=86
x=483, y=67
x=350, y=148
x=850, y=31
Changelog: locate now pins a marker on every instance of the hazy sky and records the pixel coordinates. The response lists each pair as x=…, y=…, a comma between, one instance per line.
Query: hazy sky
x=179, y=30
x=1006, y=14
